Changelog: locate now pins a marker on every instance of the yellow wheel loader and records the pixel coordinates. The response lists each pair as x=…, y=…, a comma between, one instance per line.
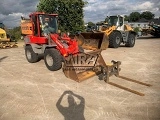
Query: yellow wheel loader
x=114, y=29
x=5, y=39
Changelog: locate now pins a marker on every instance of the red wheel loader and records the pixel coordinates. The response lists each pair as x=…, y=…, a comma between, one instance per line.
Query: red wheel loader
x=41, y=37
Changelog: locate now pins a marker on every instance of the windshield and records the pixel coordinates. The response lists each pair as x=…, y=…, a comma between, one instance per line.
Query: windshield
x=112, y=20
x=2, y=25
x=48, y=23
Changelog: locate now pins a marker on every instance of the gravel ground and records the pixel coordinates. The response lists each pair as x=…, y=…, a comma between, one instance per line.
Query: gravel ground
x=32, y=92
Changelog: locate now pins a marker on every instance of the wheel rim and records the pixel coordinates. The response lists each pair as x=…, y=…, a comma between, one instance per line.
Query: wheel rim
x=28, y=53
x=49, y=60
x=118, y=40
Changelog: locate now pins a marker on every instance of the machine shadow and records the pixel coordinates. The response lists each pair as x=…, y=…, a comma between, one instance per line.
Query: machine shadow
x=73, y=111
x=1, y=59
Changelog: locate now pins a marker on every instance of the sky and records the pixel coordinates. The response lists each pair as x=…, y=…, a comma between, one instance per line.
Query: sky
x=95, y=11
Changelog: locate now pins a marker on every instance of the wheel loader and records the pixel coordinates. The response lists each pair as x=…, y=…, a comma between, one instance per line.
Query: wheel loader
x=5, y=39
x=115, y=29
x=154, y=30
x=41, y=38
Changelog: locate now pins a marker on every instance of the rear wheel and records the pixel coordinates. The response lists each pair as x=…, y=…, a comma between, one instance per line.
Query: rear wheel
x=31, y=56
x=52, y=59
x=115, y=39
x=131, y=40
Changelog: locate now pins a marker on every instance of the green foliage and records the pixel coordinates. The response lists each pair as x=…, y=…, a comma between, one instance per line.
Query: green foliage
x=147, y=15
x=15, y=33
x=48, y=6
x=134, y=16
x=91, y=24
x=70, y=13
x=101, y=22
x=126, y=18
x=136, y=29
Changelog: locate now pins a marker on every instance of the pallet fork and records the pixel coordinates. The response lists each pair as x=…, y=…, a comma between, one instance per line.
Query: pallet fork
x=84, y=70
x=114, y=69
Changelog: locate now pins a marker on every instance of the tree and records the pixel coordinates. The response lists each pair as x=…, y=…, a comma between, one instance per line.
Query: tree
x=147, y=15
x=126, y=18
x=91, y=24
x=15, y=33
x=70, y=13
x=101, y=22
x=134, y=16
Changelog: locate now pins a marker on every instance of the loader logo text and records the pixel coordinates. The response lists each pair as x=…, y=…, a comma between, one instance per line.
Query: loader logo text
x=81, y=60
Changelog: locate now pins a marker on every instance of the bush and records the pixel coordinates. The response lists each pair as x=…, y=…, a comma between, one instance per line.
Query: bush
x=15, y=33
x=136, y=29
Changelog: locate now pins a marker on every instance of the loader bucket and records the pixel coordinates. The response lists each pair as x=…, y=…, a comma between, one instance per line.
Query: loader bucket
x=80, y=67
x=93, y=41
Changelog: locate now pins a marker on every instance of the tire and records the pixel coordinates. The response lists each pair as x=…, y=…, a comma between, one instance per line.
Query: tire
x=115, y=39
x=31, y=56
x=81, y=50
x=131, y=40
x=53, y=59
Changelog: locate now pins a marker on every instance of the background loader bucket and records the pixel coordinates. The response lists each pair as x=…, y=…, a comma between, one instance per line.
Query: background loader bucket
x=80, y=67
x=93, y=41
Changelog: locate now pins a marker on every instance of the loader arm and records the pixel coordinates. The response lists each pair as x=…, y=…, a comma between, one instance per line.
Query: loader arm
x=65, y=45
x=109, y=30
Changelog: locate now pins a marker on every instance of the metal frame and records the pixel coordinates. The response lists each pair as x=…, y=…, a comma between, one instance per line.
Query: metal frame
x=114, y=70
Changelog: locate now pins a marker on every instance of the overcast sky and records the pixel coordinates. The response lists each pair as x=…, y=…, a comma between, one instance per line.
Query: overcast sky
x=95, y=10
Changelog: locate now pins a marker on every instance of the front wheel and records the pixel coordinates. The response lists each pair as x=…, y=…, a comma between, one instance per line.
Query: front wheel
x=131, y=40
x=53, y=59
x=31, y=56
x=115, y=39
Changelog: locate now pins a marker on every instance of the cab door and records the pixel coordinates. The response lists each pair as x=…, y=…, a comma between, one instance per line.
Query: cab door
x=120, y=24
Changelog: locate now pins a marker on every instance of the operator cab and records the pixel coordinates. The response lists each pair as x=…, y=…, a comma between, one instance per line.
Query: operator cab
x=48, y=24
x=2, y=25
x=44, y=24
x=116, y=21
